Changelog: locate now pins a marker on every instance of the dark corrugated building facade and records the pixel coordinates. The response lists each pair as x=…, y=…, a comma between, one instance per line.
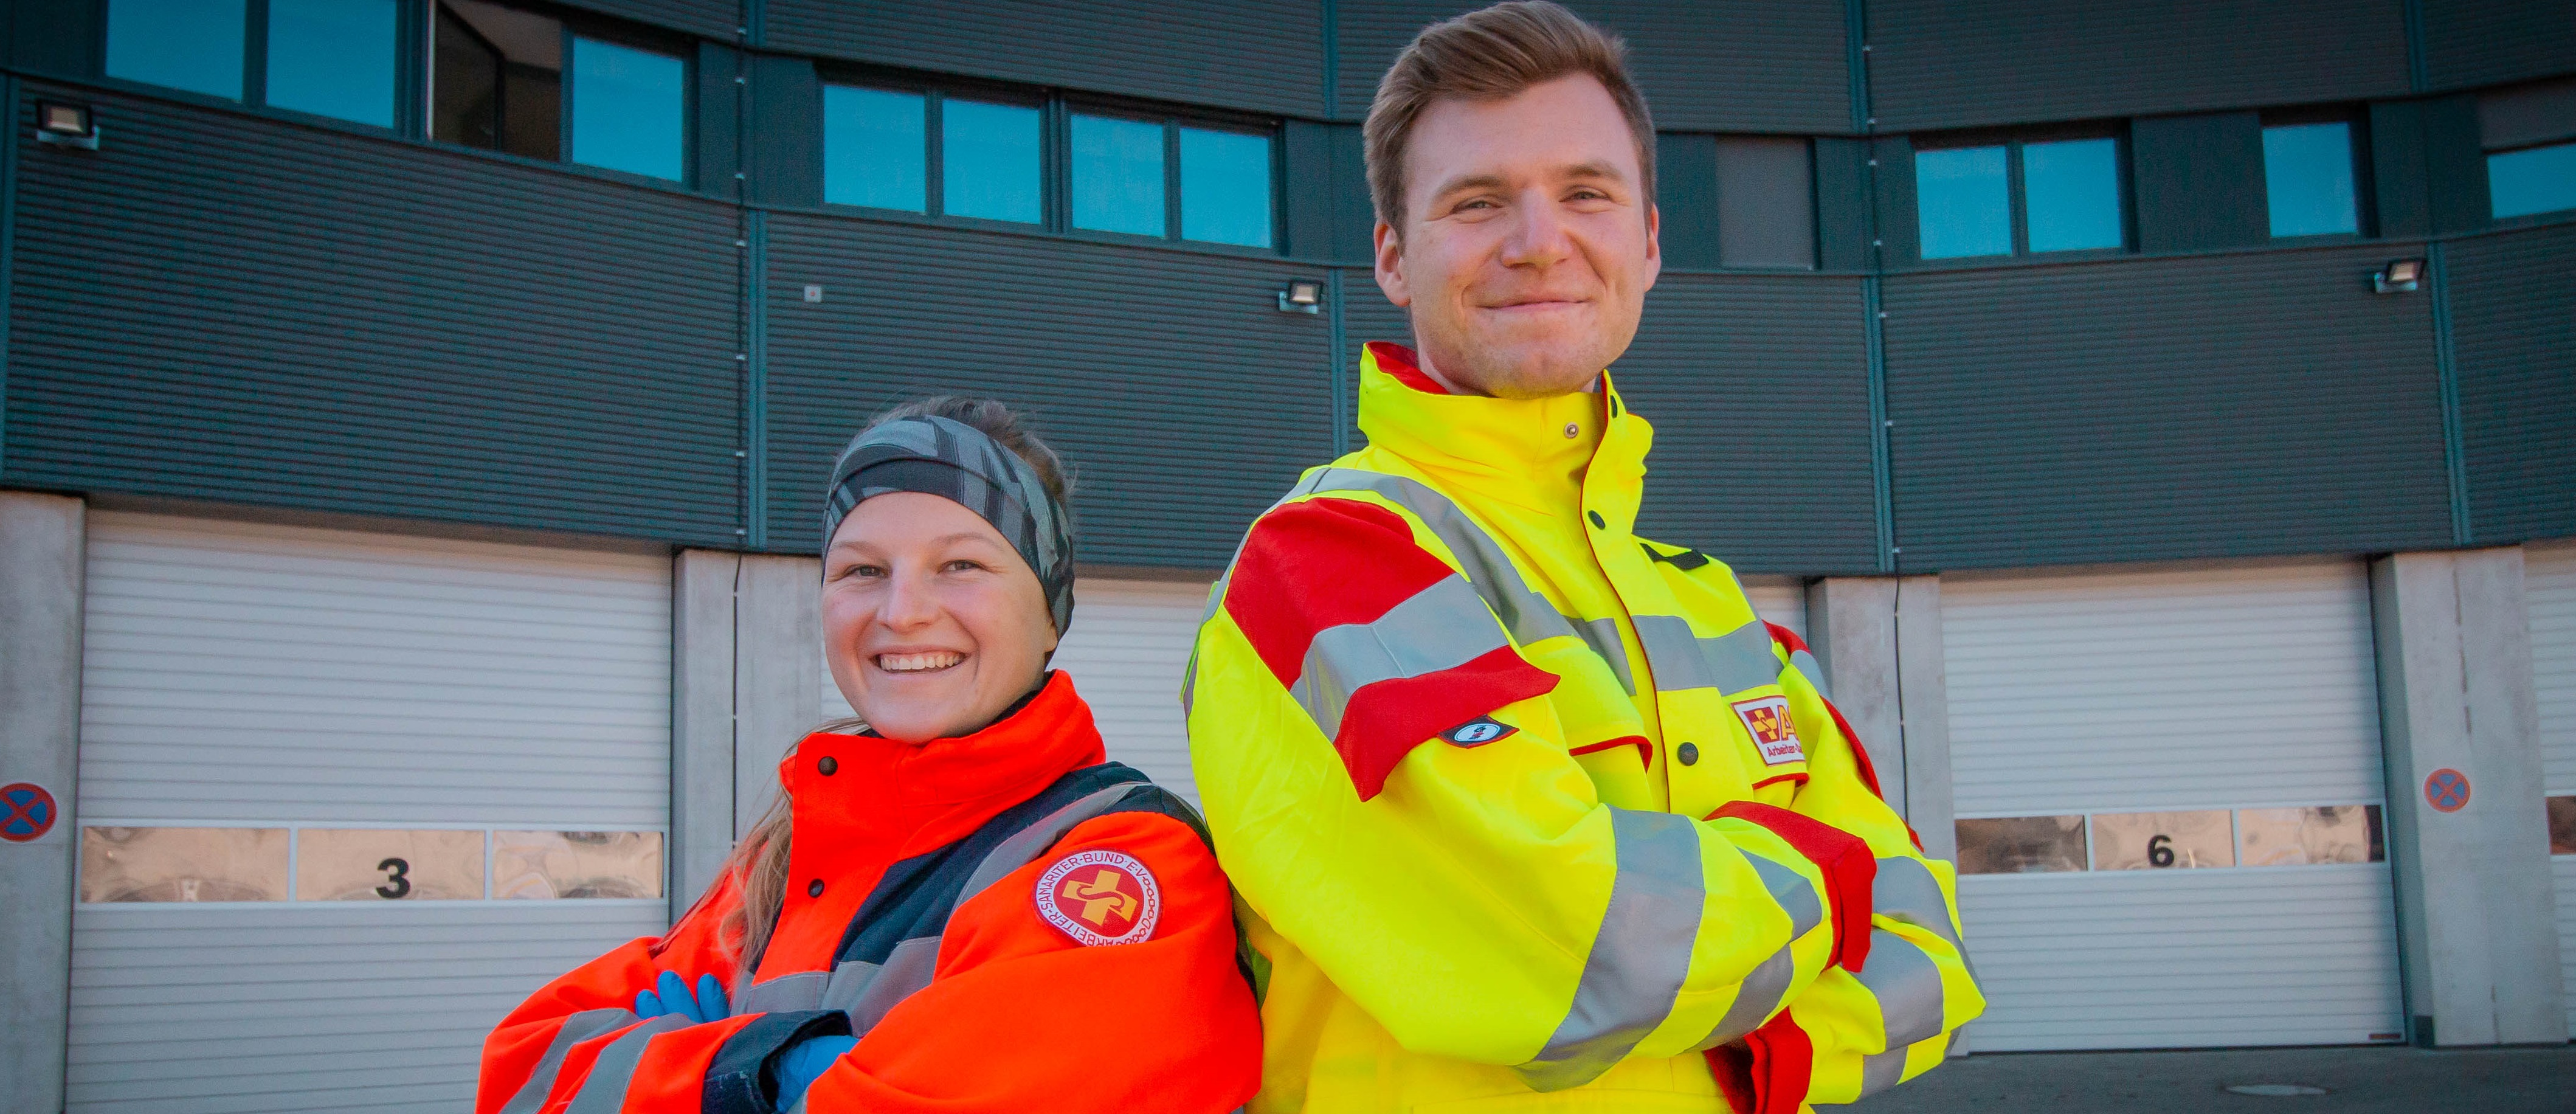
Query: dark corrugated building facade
x=2164, y=423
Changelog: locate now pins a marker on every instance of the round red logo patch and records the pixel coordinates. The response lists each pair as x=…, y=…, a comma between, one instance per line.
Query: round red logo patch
x=1100, y=897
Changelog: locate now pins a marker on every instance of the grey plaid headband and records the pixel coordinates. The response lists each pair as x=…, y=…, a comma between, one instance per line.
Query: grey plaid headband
x=955, y=461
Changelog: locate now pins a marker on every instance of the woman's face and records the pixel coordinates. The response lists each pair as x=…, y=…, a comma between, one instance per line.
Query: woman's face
x=932, y=623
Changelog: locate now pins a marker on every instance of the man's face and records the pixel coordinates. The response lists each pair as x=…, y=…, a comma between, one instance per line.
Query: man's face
x=1528, y=244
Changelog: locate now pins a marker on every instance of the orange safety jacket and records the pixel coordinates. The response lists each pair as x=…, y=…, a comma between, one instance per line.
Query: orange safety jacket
x=1006, y=923
x=1528, y=813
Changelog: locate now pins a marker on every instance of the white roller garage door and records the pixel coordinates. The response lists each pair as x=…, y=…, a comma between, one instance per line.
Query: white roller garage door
x=1129, y=644
x=339, y=793
x=2167, y=784
x=2549, y=589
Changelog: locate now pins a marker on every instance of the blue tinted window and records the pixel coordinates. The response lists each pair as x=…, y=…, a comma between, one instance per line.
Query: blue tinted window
x=873, y=148
x=988, y=165
x=2307, y=175
x=2071, y=193
x=333, y=58
x=2540, y=180
x=1117, y=175
x=194, y=45
x=1225, y=187
x=627, y=108
x=1963, y=202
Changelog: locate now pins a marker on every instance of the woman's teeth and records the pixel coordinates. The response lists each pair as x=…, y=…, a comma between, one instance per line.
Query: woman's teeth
x=918, y=663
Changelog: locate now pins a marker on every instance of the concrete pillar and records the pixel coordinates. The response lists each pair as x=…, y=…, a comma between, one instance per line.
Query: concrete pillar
x=778, y=673
x=2475, y=905
x=702, y=812
x=41, y=566
x=1879, y=639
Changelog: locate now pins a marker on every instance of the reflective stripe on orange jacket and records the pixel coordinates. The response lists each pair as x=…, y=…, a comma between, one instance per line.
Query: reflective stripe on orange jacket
x=986, y=1006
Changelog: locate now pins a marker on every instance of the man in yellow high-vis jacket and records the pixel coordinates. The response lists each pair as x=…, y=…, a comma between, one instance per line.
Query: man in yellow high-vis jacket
x=1526, y=812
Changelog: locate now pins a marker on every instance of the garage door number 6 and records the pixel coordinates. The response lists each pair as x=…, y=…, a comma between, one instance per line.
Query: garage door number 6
x=2159, y=851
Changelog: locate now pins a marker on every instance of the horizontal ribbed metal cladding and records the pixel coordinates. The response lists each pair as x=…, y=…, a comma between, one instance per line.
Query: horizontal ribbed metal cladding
x=1758, y=388
x=1256, y=57
x=2513, y=335
x=1936, y=64
x=2468, y=43
x=1713, y=65
x=715, y=19
x=1367, y=316
x=1184, y=400
x=220, y=308
x=2155, y=409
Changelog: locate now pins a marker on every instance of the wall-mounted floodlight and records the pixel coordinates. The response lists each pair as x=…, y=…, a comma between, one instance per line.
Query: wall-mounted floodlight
x=2401, y=276
x=1302, y=296
x=66, y=125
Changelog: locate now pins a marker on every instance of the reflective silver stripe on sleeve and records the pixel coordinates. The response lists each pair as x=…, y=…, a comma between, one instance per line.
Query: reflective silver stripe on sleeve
x=1795, y=895
x=1440, y=627
x=1814, y=671
x=1735, y=661
x=1906, y=892
x=784, y=994
x=1030, y=842
x=1882, y=1070
x=869, y=996
x=576, y=1029
x=1760, y=993
x=1907, y=985
x=1525, y=613
x=604, y=1091
x=1639, y=957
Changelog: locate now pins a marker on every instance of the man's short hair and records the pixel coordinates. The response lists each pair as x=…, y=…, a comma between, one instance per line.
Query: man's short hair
x=1487, y=55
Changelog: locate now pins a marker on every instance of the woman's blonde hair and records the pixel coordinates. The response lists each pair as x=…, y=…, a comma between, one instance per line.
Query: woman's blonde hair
x=759, y=862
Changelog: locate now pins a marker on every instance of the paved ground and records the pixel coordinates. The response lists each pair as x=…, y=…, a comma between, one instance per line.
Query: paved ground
x=2381, y=1080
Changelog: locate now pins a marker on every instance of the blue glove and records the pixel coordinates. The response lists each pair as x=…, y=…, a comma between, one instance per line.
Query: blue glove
x=670, y=995
x=801, y=1065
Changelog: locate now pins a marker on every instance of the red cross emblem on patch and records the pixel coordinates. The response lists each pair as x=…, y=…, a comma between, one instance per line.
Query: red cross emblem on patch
x=1100, y=898
x=1774, y=733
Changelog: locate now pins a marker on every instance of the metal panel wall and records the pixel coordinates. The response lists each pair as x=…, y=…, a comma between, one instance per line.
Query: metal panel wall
x=2549, y=592
x=1936, y=64
x=2173, y=689
x=715, y=19
x=2468, y=43
x=1185, y=401
x=1759, y=391
x=2162, y=408
x=2513, y=333
x=1716, y=65
x=1258, y=57
x=222, y=308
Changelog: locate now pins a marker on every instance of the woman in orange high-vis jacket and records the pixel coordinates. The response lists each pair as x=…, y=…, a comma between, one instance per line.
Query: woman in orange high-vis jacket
x=959, y=907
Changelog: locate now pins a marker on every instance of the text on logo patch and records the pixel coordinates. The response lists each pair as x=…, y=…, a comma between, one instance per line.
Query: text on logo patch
x=1100, y=898
x=1477, y=732
x=1774, y=734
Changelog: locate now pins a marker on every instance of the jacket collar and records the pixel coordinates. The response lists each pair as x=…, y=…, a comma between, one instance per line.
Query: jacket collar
x=1511, y=451
x=919, y=796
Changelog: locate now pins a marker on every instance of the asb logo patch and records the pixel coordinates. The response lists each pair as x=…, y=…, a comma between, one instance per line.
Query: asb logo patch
x=1477, y=732
x=1773, y=732
x=1100, y=898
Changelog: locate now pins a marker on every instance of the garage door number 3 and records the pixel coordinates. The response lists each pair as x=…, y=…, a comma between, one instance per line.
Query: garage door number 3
x=397, y=879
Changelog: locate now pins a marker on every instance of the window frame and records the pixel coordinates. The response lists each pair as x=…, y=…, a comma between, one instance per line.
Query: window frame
x=409, y=73
x=1057, y=107
x=570, y=24
x=2016, y=193
x=2365, y=210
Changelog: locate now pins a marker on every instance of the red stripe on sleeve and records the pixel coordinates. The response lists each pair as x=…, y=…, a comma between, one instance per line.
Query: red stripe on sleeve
x=1784, y=1063
x=1324, y=563
x=1850, y=870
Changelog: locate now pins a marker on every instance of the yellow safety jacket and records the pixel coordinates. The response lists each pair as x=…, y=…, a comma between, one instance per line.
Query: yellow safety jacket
x=1527, y=813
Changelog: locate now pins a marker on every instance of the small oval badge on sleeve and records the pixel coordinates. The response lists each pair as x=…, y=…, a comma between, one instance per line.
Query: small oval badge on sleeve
x=1477, y=732
x=1100, y=898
